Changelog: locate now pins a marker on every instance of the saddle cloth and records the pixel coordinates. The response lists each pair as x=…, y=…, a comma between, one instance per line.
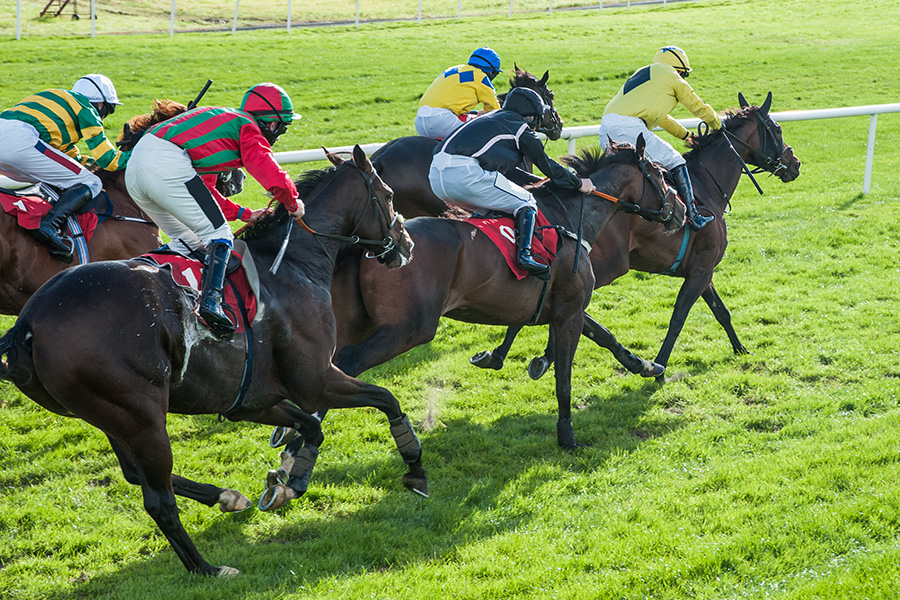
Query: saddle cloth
x=188, y=272
x=502, y=231
x=28, y=211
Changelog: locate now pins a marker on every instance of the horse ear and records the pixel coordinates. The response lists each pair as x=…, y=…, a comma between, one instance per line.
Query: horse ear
x=764, y=109
x=742, y=101
x=362, y=160
x=640, y=144
x=516, y=68
x=545, y=78
x=333, y=158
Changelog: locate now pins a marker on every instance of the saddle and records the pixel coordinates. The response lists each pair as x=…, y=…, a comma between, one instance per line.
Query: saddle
x=501, y=229
x=241, y=288
x=28, y=202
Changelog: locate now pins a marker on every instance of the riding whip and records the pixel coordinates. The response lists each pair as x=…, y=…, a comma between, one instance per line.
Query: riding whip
x=193, y=103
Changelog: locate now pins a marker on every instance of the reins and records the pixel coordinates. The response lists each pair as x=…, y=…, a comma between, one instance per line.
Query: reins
x=384, y=245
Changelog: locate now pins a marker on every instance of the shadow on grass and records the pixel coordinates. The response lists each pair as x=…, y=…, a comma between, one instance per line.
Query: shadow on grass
x=476, y=472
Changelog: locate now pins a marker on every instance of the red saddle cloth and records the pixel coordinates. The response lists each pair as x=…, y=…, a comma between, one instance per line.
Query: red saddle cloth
x=188, y=273
x=502, y=231
x=29, y=210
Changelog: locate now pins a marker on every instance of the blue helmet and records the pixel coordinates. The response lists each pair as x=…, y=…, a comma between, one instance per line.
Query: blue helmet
x=487, y=60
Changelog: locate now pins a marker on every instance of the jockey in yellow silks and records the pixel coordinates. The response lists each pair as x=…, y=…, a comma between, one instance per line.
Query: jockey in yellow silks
x=644, y=102
x=446, y=103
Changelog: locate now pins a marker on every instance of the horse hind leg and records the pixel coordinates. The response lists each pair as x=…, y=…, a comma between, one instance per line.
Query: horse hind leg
x=228, y=500
x=494, y=359
x=153, y=462
x=604, y=338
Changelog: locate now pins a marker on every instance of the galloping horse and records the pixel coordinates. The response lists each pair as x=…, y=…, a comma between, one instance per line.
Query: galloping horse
x=715, y=163
x=118, y=345
x=403, y=163
x=458, y=273
x=124, y=232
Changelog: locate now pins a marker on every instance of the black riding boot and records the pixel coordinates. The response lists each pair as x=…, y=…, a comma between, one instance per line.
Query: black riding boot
x=49, y=231
x=217, y=255
x=525, y=218
x=686, y=191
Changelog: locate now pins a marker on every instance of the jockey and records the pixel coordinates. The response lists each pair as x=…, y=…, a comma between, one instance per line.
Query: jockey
x=447, y=102
x=469, y=167
x=38, y=141
x=644, y=102
x=164, y=178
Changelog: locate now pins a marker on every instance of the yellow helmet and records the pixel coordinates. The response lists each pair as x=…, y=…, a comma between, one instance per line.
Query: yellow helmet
x=675, y=56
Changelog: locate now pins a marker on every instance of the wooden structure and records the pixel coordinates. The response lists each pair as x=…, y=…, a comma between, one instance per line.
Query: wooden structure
x=56, y=7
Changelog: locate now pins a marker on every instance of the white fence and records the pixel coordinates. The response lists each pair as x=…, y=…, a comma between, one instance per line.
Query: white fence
x=574, y=133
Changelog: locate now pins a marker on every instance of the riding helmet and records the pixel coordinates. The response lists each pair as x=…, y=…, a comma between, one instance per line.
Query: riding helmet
x=96, y=88
x=268, y=102
x=526, y=102
x=487, y=60
x=675, y=56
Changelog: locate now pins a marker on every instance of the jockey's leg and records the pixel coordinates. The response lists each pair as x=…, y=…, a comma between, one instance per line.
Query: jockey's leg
x=525, y=218
x=217, y=254
x=49, y=232
x=686, y=191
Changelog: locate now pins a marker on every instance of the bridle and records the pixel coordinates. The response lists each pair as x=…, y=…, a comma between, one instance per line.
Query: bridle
x=768, y=158
x=551, y=122
x=381, y=249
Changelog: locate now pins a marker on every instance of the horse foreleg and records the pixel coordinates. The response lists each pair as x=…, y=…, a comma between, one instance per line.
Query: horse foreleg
x=343, y=391
x=493, y=359
x=604, y=338
x=565, y=344
x=384, y=344
x=690, y=290
x=228, y=500
x=723, y=316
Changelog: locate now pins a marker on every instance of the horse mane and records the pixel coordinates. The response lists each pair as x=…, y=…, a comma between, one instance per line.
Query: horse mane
x=305, y=184
x=136, y=126
x=594, y=158
x=698, y=142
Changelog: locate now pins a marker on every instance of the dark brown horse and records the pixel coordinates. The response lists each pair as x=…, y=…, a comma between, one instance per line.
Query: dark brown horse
x=123, y=232
x=118, y=345
x=458, y=273
x=630, y=243
x=403, y=163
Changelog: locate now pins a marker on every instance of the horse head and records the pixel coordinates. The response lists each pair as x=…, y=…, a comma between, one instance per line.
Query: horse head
x=552, y=123
x=635, y=177
x=755, y=129
x=394, y=246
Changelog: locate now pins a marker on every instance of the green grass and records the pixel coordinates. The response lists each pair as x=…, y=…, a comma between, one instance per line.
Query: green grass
x=771, y=475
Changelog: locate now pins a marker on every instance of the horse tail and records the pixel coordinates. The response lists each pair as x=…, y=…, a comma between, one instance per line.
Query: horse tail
x=15, y=354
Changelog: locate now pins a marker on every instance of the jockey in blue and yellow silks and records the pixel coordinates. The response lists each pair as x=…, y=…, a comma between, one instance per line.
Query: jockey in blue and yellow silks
x=38, y=141
x=644, y=102
x=447, y=102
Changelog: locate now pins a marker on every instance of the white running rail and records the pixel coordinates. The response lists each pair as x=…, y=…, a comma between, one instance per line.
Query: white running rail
x=571, y=134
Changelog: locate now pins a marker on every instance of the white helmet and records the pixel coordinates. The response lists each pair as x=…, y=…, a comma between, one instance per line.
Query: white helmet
x=97, y=88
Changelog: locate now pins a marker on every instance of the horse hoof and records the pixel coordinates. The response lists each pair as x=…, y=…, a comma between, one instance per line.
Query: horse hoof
x=275, y=497
x=537, y=367
x=652, y=369
x=419, y=485
x=486, y=360
x=233, y=501
x=281, y=436
x=741, y=350
x=225, y=572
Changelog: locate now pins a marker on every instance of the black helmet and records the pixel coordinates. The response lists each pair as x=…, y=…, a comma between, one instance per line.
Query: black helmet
x=526, y=102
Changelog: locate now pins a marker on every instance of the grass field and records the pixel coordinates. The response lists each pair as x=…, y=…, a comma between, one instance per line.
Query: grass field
x=772, y=475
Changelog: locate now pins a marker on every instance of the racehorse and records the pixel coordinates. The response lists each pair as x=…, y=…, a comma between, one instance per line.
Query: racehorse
x=117, y=344
x=123, y=232
x=403, y=163
x=715, y=162
x=458, y=273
